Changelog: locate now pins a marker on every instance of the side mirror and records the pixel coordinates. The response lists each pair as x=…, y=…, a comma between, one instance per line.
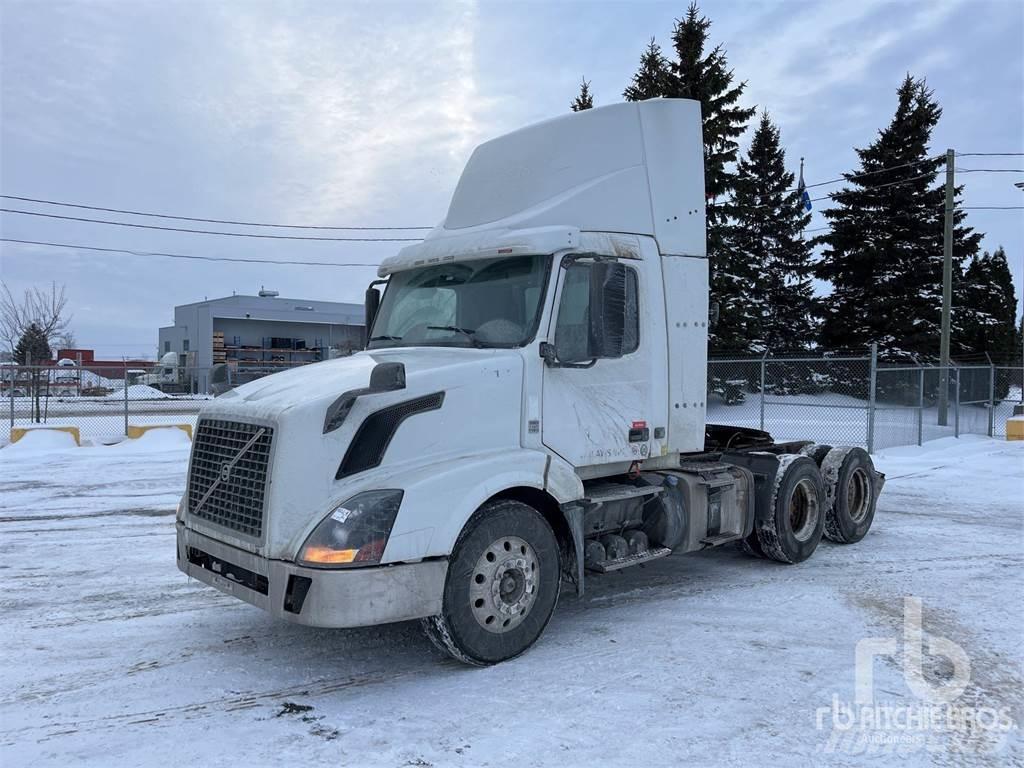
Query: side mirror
x=713, y=314
x=607, y=309
x=371, y=304
x=385, y=377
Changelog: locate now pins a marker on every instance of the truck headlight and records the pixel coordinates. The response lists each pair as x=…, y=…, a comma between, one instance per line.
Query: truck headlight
x=181, y=508
x=355, y=533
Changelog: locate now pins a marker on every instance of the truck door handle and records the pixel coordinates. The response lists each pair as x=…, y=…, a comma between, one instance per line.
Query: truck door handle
x=639, y=435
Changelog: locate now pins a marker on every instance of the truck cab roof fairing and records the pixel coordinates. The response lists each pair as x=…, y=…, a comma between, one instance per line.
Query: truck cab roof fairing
x=634, y=168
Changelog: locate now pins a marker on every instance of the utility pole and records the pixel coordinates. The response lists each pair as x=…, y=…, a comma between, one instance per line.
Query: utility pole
x=947, y=292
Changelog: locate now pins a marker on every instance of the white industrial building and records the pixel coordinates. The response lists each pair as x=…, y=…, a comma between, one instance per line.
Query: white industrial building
x=260, y=334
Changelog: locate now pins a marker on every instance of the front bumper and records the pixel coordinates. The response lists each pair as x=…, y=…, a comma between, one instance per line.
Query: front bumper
x=351, y=597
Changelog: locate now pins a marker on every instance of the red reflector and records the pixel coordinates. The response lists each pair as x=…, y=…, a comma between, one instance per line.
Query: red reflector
x=371, y=552
x=639, y=424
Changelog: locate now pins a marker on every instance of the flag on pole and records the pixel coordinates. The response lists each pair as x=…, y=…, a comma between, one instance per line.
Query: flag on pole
x=805, y=198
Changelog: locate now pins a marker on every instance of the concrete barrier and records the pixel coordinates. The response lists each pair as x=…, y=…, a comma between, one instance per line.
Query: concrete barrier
x=1015, y=428
x=19, y=432
x=134, y=431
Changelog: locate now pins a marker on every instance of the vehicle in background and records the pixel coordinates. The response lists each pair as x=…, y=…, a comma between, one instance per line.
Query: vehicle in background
x=166, y=376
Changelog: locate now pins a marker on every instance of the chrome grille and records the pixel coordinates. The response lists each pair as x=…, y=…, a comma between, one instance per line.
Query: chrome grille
x=237, y=500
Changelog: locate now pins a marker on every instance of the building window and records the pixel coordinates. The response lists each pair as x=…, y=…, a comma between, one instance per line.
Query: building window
x=184, y=345
x=167, y=347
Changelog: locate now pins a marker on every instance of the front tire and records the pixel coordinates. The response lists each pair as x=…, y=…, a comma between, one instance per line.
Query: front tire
x=502, y=585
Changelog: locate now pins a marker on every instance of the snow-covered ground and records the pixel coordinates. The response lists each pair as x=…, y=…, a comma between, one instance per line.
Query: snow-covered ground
x=112, y=657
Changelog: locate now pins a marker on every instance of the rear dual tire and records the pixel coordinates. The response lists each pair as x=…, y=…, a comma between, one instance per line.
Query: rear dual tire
x=846, y=503
x=791, y=531
x=851, y=495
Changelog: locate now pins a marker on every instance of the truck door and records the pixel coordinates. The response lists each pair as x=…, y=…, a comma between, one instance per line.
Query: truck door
x=605, y=379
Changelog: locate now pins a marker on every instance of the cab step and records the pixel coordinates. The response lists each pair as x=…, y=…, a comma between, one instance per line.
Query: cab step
x=637, y=559
x=604, y=492
x=722, y=538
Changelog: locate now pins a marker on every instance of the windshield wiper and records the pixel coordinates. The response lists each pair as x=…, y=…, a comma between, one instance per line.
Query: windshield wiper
x=385, y=338
x=464, y=331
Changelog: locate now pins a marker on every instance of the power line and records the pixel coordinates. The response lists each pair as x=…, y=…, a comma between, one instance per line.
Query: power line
x=188, y=256
x=956, y=208
x=829, y=196
x=852, y=176
x=214, y=232
x=990, y=154
x=194, y=218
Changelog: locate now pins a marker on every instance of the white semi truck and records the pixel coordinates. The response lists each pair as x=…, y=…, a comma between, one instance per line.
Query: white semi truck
x=529, y=411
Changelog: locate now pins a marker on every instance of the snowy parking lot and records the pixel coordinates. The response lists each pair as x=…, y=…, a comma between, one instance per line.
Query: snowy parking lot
x=112, y=657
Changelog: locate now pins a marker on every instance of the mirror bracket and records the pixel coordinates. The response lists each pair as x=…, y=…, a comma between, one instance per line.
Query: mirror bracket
x=547, y=352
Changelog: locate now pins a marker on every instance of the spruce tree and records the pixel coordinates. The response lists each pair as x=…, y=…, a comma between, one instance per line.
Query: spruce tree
x=33, y=349
x=703, y=75
x=883, y=253
x=987, y=314
x=584, y=99
x=652, y=79
x=777, y=307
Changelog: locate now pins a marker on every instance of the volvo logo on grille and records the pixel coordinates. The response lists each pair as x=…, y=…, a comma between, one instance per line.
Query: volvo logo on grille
x=225, y=471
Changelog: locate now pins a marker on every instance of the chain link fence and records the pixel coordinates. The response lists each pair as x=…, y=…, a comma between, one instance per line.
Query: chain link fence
x=857, y=400
x=104, y=403
x=839, y=400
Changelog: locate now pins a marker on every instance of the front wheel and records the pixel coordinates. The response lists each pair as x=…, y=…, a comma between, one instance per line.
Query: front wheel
x=502, y=585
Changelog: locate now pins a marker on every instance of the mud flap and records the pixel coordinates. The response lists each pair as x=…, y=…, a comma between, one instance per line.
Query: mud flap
x=573, y=512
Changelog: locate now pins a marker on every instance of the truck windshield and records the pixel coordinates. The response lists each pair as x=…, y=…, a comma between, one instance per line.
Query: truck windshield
x=485, y=303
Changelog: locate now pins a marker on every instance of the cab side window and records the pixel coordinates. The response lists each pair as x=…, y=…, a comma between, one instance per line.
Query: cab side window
x=572, y=328
x=580, y=335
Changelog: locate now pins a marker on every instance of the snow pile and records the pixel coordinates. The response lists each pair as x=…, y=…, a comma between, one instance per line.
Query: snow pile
x=161, y=439
x=138, y=392
x=42, y=441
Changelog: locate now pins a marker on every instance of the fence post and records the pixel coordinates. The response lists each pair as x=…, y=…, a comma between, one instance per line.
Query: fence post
x=126, y=398
x=920, y=408
x=956, y=406
x=991, y=395
x=763, y=358
x=871, y=399
x=11, y=391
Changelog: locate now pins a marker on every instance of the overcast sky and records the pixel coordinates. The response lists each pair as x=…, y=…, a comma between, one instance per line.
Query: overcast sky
x=336, y=113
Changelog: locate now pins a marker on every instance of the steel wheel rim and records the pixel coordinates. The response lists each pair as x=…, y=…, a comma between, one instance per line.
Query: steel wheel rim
x=858, y=495
x=503, y=584
x=803, y=510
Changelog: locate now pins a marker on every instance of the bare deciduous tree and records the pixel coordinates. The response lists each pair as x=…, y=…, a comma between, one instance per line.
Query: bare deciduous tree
x=44, y=308
x=65, y=340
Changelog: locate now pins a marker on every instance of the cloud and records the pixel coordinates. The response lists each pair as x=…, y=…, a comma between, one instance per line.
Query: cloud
x=346, y=108
x=809, y=52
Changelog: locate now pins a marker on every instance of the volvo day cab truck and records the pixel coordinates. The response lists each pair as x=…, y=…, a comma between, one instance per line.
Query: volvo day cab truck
x=529, y=412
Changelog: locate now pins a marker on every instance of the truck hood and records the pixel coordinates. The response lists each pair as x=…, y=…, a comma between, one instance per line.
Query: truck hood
x=331, y=378
x=481, y=410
